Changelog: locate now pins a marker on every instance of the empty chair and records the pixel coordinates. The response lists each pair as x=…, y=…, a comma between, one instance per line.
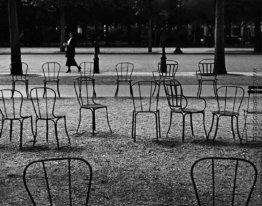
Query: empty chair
x=252, y=130
x=21, y=78
x=229, y=101
x=43, y=101
x=124, y=71
x=169, y=72
x=85, y=93
x=145, y=95
x=59, y=181
x=206, y=73
x=179, y=104
x=223, y=181
x=87, y=71
x=51, y=72
x=11, y=102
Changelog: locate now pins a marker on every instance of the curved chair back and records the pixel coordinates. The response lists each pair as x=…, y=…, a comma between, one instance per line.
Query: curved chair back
x=223, y=181
x=87, y=69
x=225, y=95
x=174, y=94
x=124, y=70
x=24, y=71
x=85, y=91
x=145, y=95
x=11, y=102
x=206, y=67
x=171, y=69
x=59, y=181
x=51, y=71
x=43, y=101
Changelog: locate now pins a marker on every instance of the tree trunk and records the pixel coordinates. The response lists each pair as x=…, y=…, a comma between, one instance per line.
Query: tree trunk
x=62, y=25
x=257, y=43
x=219, y=67
x=16, y=68
x=149, y=35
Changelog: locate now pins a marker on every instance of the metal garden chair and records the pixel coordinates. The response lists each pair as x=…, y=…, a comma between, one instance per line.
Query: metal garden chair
x=85, y=93
x=124, y=71
x=171, y=70
x=145, y=95
x=43, y=101
x=206, y=73
x=87, y=71
x=253, y=114
x=59, y=181
x=229, y=101
x=179, y=104
x=21, y=78
x=11, y=102
x=223, y=181
x=51, y=71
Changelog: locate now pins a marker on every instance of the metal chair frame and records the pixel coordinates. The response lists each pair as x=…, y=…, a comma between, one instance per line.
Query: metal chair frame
x=178, y=103
x=224, y=108
x=211, y=165
x=148, y=104
x=171, y=67
x=206, y=73
x=45, y=113
x=51, y=71
x=21, y=78
x=124, y=71
x=44, y=163
x=254, y=94
x=87, y=101
x=87, y=71
x=15, y=114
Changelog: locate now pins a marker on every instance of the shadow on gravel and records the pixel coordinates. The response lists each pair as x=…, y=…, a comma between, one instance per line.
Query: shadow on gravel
x=169, y=143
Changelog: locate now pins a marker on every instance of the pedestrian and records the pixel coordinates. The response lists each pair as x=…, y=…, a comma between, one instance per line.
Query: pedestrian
x=70, y=53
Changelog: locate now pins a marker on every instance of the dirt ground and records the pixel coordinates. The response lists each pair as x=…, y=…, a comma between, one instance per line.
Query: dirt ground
x=124, y=172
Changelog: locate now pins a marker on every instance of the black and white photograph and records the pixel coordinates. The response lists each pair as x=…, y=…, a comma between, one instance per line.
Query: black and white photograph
x=131, y=102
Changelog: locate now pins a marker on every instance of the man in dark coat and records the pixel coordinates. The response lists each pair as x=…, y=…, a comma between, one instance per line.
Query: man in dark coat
x=70, y=53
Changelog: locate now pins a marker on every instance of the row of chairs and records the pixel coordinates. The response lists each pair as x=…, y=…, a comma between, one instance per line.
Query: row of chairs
x=67, y=181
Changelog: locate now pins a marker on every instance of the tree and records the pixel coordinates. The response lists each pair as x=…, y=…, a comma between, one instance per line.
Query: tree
x=16, y=68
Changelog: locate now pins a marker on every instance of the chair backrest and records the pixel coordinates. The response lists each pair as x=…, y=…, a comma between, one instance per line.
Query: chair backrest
x=124, y=70
x=174, y=94
x=60, y=181
x=230, y=98
x=43, y=101
x=11, y=102
x=223, y=181
x=145, y=95
x=24, y=70
x=171, y=69
x=85, y=90
x=87, y=69
x=206, y=67
x=51, y=71
x=254, y=98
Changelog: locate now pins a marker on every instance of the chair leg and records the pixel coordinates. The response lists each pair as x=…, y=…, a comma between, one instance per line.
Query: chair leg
x=107, y=118
x=58, y=91
x=159, y=125
x=66, y=131
x=21, y=133
x=117, y=88
x=35, y=133
x=47, y=131
x=44, y=89
x=183, y=127
x=204, y=124
x=130, y=88
x=216, y=129
x=215, y=88
x=191, y=123
x=240, y=139
x=232, y=126
x=170, y=122
x=32, y=126
x=133, y=117
x=211, y=127
x=80, y=116
x=156, y=120
x=56, y=134
x=26, y=89
x=11, y=130
x=135, y=126
x=93, y=121
x=199, y=88
x=2, y=126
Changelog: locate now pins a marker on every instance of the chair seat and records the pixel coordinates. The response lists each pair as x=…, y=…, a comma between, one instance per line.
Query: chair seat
x=186, y=110
x=50, y=117
x=225, y=113
x=19, y=80
x=93, y=106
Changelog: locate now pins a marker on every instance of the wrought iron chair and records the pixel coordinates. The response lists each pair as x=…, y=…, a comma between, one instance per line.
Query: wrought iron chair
x=124, y=71
x=51, y=71
x=11, y=102
x=85, y=93
x=206, y=73
x=223, y=181
x=87, y=71
x=43, y=101
x=254, y=109
x=227, y=108
x=59, y=181
x=145, y=101
x=21, y=78
x=179, y=104
x=171, y=70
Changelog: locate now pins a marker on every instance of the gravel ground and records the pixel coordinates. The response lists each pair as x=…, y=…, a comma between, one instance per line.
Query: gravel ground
x=125, y=173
